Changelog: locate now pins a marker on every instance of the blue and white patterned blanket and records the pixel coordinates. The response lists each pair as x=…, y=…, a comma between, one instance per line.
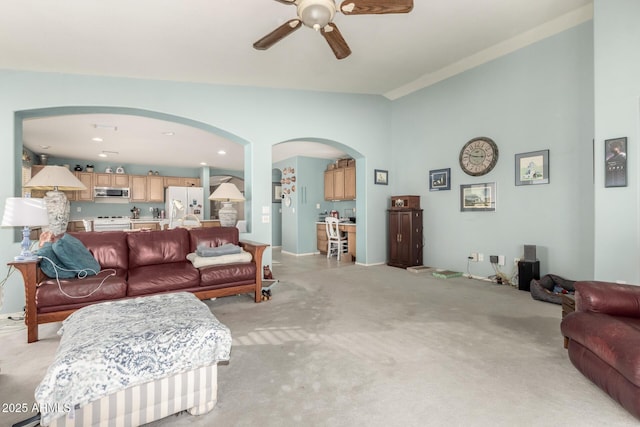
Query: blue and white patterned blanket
x=110, y=346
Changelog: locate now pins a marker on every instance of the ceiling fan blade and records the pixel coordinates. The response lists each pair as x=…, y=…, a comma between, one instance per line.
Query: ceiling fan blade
x=278, y=34
x=336, y=41
x=370, y=7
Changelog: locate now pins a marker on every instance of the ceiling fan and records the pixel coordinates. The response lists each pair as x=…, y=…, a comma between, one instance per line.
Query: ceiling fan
x=318, y=14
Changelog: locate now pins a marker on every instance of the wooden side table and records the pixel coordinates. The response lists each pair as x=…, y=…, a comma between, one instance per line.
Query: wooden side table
x=568, y=306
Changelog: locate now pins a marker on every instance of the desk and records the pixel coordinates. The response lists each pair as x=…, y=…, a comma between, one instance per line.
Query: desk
x=347, y=227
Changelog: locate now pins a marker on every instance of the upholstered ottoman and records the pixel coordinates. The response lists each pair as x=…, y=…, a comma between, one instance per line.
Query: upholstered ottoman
x=133, y=361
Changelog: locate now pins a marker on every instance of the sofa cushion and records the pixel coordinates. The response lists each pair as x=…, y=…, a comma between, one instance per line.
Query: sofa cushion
x=158, y=247
x=109, y=248
x=613, y=339
x=237, y=274
x=101, y=287
x=153, y=279
x=212, y=237
x=50, y=263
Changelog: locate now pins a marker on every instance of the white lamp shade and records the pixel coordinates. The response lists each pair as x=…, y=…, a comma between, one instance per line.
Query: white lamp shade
x=227, y=192
x=55, y=177
x=28, y=212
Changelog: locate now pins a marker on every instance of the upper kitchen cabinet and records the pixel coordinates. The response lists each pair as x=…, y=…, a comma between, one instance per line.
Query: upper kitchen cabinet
x=87, y=179
x=178, y=181
x=340, y=182
x=115, y=180
x=147, y=188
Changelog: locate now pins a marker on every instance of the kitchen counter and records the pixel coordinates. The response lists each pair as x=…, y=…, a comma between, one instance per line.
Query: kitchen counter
x=144, y=223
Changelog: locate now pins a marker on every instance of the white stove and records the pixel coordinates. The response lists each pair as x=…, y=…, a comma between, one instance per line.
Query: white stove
x=111, y=223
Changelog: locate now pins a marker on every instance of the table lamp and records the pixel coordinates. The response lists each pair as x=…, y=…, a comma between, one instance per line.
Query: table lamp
x=24, y=212
x=227, y=193
x=56, y=178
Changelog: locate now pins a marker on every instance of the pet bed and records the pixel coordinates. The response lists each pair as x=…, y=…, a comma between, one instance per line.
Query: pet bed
x=134, y=361
x=550, y=288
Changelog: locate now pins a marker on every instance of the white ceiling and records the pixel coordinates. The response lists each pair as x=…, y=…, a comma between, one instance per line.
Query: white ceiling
x=210, y=41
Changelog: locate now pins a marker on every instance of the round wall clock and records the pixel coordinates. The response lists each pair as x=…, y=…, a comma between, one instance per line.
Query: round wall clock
x=478, y=156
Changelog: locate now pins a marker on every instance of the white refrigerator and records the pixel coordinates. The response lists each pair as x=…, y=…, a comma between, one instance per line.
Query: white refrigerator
x=182, y=203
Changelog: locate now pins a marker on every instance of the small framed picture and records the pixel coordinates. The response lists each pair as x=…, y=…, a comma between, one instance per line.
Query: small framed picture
x=381, y=177
x=439, y=179
x=615, y=162
x=478, y=197
x=532, y=168
x=276, y=194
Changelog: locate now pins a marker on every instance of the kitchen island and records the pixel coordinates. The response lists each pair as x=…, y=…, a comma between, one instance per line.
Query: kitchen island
x=347, y=227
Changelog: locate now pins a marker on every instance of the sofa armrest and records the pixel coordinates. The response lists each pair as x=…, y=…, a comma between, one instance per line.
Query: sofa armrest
x=256, y=250
x=608, y=297
x=32, y=275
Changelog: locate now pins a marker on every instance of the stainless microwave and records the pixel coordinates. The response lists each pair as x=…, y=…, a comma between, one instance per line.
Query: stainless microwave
x=110, y=193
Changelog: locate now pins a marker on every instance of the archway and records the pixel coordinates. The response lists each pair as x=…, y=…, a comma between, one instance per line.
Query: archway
x=306, y=167
x=22, y=116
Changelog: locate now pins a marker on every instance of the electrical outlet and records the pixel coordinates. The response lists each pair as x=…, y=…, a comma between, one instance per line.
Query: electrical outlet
x=501, y=260
x=78, y=209
x=480, y=257
x=473, y=257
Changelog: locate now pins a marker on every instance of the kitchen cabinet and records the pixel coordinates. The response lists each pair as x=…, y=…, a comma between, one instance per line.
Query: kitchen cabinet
x=87, y=179
x=75, y=226
x=155, y=189
x=147, y=188
x=178, y=181
x=340, y=184
x=138, y=188
x=115, y=180
x=405, y=237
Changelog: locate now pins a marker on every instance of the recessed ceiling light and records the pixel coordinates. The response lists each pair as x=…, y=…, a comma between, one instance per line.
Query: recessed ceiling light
x=168, y=133
x=222, y=152
x=45, y=147
x=102, y=155
x=203, y=163
x=97, y=139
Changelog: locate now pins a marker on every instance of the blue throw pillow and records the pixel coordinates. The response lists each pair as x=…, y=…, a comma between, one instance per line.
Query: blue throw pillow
x=74, y=255
x=48, y=261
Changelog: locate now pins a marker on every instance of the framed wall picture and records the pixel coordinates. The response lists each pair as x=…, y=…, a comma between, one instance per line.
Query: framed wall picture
x=440, y=179
x=381, y=177
x=478, y=197
x=276, y=194
x=532, y=168
x=615, y=162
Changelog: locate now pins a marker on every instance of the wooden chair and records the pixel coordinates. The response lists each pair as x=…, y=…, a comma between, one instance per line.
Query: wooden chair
x=336, y=240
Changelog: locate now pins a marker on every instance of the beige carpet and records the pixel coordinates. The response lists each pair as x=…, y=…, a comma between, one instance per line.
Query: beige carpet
x=345, y=345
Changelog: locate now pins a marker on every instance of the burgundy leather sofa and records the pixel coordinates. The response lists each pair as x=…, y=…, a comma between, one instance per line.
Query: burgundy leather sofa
x=604, y=339
x=144, y=263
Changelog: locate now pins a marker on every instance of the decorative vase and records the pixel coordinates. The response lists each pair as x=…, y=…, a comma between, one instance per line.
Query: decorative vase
x=227, y=215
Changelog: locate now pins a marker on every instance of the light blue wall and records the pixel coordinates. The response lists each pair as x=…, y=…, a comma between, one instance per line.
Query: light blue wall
x=256, y=117
x=617, y=114
x=540, y=97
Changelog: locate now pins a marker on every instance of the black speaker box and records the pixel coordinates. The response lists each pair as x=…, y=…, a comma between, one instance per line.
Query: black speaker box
x=527, y=271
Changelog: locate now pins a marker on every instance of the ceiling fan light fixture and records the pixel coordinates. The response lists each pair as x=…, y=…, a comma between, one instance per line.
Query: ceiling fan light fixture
x=316, y=14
